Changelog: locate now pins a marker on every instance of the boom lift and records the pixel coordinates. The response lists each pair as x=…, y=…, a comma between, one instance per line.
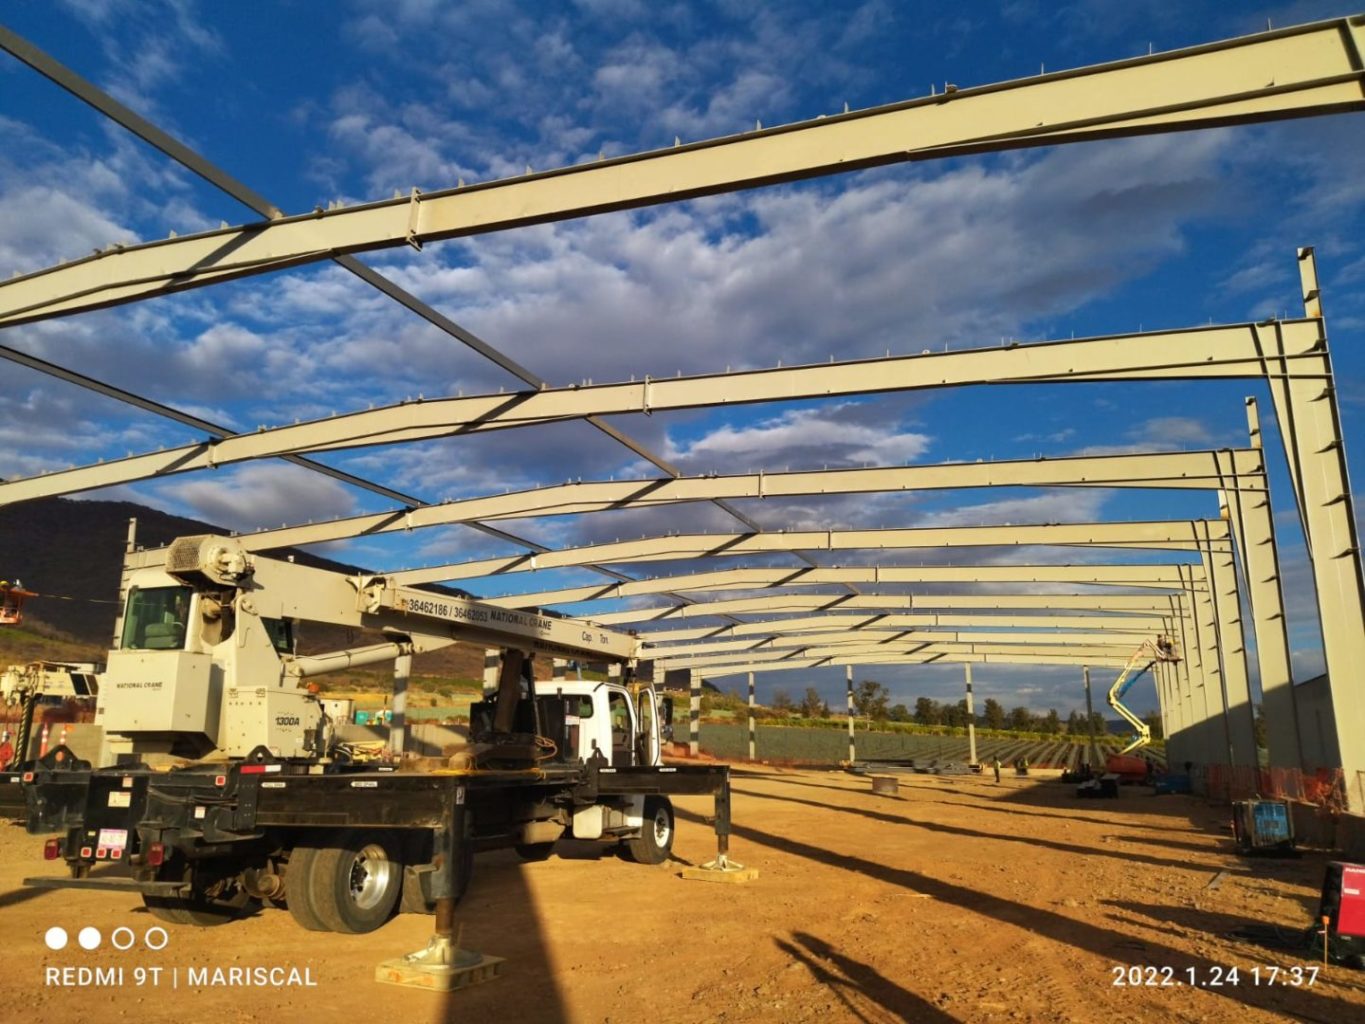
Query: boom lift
x=12, y=598
x=1148, y=654
x=222, y=784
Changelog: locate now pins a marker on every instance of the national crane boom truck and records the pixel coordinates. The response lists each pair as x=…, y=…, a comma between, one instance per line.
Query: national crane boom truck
x=223, y=785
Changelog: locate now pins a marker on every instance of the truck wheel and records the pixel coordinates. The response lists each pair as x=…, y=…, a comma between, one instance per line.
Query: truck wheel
x=655, y=841
x=298, y=884
x=354, y=881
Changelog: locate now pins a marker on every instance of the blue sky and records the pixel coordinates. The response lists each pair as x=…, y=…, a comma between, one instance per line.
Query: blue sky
x=311, y=103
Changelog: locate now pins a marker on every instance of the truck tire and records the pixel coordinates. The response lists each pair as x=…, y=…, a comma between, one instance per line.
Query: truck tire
x=535, y=851
x=654, y=844
x=298, y=883
x=354, y=882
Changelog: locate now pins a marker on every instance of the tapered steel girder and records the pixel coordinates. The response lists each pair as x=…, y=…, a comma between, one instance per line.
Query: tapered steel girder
x=908, y=649
x=1136, y=625
x=1041, y=641
x=1234, y=351
x=1162, y=577
x=741, y=665
x=1174, y=470
x=1117, y=606
x=1293, y=72
x=1172, y=535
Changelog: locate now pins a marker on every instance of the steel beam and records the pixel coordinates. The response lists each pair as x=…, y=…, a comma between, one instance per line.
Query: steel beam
x=740, y=666
x=1292, y=72
x=1162, y=577
x=863, y=637
x=1117, y=605
x=1176, y=535
x=1234, y=351
x=909, y=652
x=1172, y=470
x=1138, y=626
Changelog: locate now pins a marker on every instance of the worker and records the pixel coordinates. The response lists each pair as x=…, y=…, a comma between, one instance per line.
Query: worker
x=996, y=765
x=6, y=751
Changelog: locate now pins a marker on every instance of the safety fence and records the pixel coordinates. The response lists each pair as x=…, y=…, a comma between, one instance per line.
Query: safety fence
x=1323, y=788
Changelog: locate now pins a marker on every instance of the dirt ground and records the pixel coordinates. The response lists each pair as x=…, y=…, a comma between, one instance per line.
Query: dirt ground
x=956, y=900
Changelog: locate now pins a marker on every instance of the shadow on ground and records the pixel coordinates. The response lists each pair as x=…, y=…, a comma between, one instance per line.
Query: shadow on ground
x=1117, y=945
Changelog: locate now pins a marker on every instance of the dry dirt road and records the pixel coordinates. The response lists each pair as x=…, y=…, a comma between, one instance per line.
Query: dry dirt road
x=957, y=900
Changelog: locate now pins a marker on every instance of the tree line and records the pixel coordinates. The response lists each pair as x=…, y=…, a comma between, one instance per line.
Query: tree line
x=872, y=700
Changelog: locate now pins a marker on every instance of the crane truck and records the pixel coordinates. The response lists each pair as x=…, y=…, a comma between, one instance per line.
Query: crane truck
x=223, y=786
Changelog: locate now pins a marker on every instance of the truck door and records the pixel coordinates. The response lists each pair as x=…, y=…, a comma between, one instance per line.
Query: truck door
x=648, y=742
x=622, y=719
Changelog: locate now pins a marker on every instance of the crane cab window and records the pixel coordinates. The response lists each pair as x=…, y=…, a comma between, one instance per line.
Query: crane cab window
x=618, y=712
x=156, y=618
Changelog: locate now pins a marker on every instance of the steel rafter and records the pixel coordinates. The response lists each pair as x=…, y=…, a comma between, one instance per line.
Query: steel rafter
x=1116, y=606
x=1292, y=72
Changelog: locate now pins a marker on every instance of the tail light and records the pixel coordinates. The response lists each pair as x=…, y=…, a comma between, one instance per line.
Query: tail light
x=52, y=849
x=156, y=854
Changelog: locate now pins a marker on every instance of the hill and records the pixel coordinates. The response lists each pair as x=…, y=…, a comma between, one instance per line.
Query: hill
x=71, y=553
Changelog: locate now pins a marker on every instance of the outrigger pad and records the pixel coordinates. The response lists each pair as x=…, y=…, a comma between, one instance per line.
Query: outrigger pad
x=441, y=967
x=721, y=870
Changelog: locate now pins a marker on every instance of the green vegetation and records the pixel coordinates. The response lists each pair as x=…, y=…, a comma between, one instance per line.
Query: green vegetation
x=871, y=702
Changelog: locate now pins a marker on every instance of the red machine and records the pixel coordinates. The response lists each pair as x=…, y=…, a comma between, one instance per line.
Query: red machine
x=12, y=598
x=1343, y=908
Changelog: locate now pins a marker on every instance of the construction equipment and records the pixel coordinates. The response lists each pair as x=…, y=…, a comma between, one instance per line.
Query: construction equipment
x=12, y=598
x=1263, y=826
x=1342, y=913
x=1148, y=654
x=222, y=783
x=24, y=686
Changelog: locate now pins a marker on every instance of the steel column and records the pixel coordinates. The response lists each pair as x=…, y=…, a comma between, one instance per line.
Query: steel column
x=971, y=719
x=852, y=744
x=1254, y=534
x=694, y=714
x=752, y=744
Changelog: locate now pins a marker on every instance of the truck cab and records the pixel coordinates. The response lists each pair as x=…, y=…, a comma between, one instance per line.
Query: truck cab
x=627, y=724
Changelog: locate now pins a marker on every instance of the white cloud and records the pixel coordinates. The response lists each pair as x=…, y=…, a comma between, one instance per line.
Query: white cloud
x=804, y=438
x=261, y=496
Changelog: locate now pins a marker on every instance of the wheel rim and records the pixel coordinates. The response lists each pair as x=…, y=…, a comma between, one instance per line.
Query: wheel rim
x=371, y=872
x=662, y=828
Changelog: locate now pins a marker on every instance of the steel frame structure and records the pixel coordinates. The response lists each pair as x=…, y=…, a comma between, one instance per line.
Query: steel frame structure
x=1312, y=69
x=1301, y=71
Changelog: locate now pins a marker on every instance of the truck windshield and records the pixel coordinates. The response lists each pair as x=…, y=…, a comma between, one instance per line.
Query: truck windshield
x=155, y=619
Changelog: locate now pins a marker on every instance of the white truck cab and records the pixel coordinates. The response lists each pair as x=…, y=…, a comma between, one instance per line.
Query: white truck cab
x=627, y=724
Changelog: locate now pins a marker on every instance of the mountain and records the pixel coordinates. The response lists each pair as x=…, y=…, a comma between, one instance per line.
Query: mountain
x=71, y=554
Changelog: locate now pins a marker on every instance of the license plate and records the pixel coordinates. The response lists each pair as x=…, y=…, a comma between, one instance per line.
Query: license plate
x=113, y=838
